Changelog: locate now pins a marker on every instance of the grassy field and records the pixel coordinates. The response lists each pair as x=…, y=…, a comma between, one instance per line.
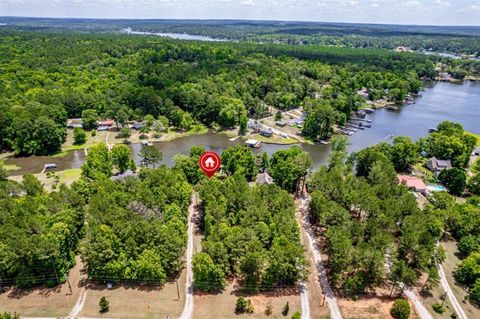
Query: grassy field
x=375, y=306
x=9, y=167
x=136, y=301
x=112, y=138
x=222, y=305
x=50, y=182
x=42, y=301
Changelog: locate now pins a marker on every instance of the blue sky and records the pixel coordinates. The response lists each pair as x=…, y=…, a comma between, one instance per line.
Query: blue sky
x=439, y=12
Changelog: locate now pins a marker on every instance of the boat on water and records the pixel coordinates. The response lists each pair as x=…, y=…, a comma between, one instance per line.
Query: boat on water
x=360, y=120
x=369, y=110
x=432, y=130
x=324, y=142
x=253, y=143
x=233, y=139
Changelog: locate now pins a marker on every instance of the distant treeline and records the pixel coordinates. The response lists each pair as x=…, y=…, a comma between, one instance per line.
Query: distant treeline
x=456, y=39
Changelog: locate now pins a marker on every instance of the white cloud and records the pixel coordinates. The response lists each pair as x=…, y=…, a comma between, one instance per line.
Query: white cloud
x=442, y=3
x=376, y=11
x=247, y=2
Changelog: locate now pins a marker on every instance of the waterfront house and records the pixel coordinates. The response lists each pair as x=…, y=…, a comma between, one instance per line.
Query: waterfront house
x=412, y=182
x=105, y=125
x=436, y=166
x=137, y=126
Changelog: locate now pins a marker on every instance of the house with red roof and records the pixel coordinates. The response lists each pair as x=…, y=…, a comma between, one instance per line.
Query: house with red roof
x=412, y=182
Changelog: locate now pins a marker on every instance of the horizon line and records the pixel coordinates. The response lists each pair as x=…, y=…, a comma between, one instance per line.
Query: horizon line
x=238, y=19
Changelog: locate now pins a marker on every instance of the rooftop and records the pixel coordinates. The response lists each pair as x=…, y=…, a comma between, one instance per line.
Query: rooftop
x=412, y=182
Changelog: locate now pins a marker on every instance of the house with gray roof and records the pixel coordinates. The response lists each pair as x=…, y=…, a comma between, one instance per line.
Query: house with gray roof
x=437, y=165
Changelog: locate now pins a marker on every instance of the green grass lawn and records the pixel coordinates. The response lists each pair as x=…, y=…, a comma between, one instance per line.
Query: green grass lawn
x=274, y=139
x=477, y=136
x=9, y=167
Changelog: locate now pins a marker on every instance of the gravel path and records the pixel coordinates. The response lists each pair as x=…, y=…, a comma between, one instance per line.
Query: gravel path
x=451, y=296
x=188, y=308
x=317, y=258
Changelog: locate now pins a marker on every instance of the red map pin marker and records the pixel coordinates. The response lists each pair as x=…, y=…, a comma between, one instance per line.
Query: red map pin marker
x=209, y=162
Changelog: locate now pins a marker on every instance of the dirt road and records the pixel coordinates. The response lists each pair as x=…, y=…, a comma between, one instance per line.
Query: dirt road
x=421, y=310
x=451, y=296
x=188, y=308
x=317, y=259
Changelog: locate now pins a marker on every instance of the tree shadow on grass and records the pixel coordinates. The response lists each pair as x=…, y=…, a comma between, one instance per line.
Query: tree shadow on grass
x=18, y=293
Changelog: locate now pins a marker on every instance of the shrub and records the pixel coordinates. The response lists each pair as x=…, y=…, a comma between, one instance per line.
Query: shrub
x=79, y=136
x=241, y=305
x=438, y=308
x=296, y=315
x=474, y=295
x=269, y=309
x=94, y=133
x=400, y=309
x=286, y=309
x=104, y=305
x=125, y=133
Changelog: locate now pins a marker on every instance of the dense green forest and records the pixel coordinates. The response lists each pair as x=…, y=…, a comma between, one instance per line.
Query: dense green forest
x=369, y=222
x=39, y=232
x=250, y=232
x=48, y=77
x=132, y=230
x=136, y=230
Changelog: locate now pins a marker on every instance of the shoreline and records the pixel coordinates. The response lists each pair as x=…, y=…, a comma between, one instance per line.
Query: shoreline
x=12, y=166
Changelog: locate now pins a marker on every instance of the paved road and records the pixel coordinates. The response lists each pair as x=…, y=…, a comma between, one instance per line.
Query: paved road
x=188, y=308
x=317, y=258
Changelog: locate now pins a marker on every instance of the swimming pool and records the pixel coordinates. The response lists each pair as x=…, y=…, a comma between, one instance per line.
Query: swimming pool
x=436, y=188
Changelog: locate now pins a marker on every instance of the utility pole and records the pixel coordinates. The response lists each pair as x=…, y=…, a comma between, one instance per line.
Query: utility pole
x=68, y=282
x=54, y=269
x=178, y=291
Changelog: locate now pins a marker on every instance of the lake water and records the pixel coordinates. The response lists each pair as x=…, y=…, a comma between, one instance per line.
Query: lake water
x=180, y=36
x=440, y=101
x=450, y=55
